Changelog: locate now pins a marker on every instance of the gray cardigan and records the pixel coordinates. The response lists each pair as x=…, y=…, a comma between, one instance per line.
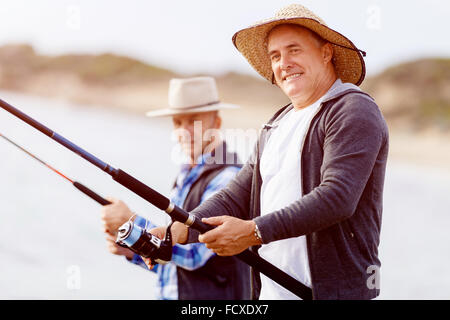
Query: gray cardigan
x=343, y=158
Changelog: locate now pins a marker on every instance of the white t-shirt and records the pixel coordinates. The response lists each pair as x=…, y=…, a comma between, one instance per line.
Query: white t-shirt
x=280, y=171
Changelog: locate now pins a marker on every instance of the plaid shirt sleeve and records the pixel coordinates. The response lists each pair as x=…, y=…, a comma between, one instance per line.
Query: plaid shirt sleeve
x=136, y=259
x=193, y=255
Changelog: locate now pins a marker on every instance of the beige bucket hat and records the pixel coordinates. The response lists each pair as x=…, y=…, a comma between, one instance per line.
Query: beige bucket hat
x=348, y=61
x=192, y=95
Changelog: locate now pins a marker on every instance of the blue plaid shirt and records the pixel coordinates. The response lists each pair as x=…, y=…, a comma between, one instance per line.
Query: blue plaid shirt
x=189, y=256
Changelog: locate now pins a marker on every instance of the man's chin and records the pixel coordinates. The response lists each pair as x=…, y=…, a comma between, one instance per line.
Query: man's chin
x=295, y=93
x=189, y=152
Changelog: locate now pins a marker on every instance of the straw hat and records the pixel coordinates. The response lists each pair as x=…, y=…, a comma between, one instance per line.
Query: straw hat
x=348, y=62
x=192, y=95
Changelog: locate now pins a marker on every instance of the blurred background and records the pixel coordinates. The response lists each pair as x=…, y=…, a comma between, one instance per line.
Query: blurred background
x=90, y=69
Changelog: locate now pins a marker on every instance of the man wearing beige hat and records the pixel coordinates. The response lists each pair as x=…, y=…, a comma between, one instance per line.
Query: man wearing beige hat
x=311, y=193
x=195, y=272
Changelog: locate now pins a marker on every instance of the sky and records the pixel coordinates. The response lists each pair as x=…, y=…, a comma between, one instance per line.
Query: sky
x=194, y=37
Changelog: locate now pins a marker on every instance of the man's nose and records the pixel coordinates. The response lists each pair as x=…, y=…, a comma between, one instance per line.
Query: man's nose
x=187, y=125
x=285, y=62
x=189, y=128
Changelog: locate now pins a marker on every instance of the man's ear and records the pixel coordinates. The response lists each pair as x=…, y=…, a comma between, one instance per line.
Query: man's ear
x=327, y=52
x=274, y=82
x=217, y=122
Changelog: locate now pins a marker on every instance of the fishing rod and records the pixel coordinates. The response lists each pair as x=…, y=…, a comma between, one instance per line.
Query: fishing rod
x=163, y=203
x=76, y=184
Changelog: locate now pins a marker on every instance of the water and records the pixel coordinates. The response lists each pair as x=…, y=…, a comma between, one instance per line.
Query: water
x=52, y=245
x=415, y=241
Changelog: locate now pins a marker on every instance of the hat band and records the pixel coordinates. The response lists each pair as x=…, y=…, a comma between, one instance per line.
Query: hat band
x=345, y=47
x=197, y=106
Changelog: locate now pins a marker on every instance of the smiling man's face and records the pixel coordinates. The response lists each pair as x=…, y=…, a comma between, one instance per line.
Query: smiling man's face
x=300, y=63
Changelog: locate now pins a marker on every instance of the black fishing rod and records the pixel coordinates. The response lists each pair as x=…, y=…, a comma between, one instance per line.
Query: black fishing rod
x=76, y=184
x=163, y=203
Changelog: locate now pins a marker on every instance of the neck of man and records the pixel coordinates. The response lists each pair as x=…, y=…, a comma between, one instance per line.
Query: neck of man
x=207, y=148
x=323, y=86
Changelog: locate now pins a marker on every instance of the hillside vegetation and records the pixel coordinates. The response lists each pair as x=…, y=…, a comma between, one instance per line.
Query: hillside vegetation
x=412, y=96
x=114, y=81
x=415, y=94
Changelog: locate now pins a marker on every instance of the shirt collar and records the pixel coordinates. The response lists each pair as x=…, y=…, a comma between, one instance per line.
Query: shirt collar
x=200, y=161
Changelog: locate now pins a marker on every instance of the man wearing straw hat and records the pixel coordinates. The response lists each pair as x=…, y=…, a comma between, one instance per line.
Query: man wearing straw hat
x=195, y=271
x=311, y=193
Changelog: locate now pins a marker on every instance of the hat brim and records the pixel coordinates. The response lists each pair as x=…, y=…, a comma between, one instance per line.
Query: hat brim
x=171, y=111
x=348, y=61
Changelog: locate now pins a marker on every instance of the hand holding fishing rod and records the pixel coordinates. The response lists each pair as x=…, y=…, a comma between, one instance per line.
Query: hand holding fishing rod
x=163, y=203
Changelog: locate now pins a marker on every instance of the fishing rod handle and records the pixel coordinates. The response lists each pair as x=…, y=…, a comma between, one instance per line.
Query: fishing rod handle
x=158, y=200
x=276, y=274
x=91, y=193
x=142, y=190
